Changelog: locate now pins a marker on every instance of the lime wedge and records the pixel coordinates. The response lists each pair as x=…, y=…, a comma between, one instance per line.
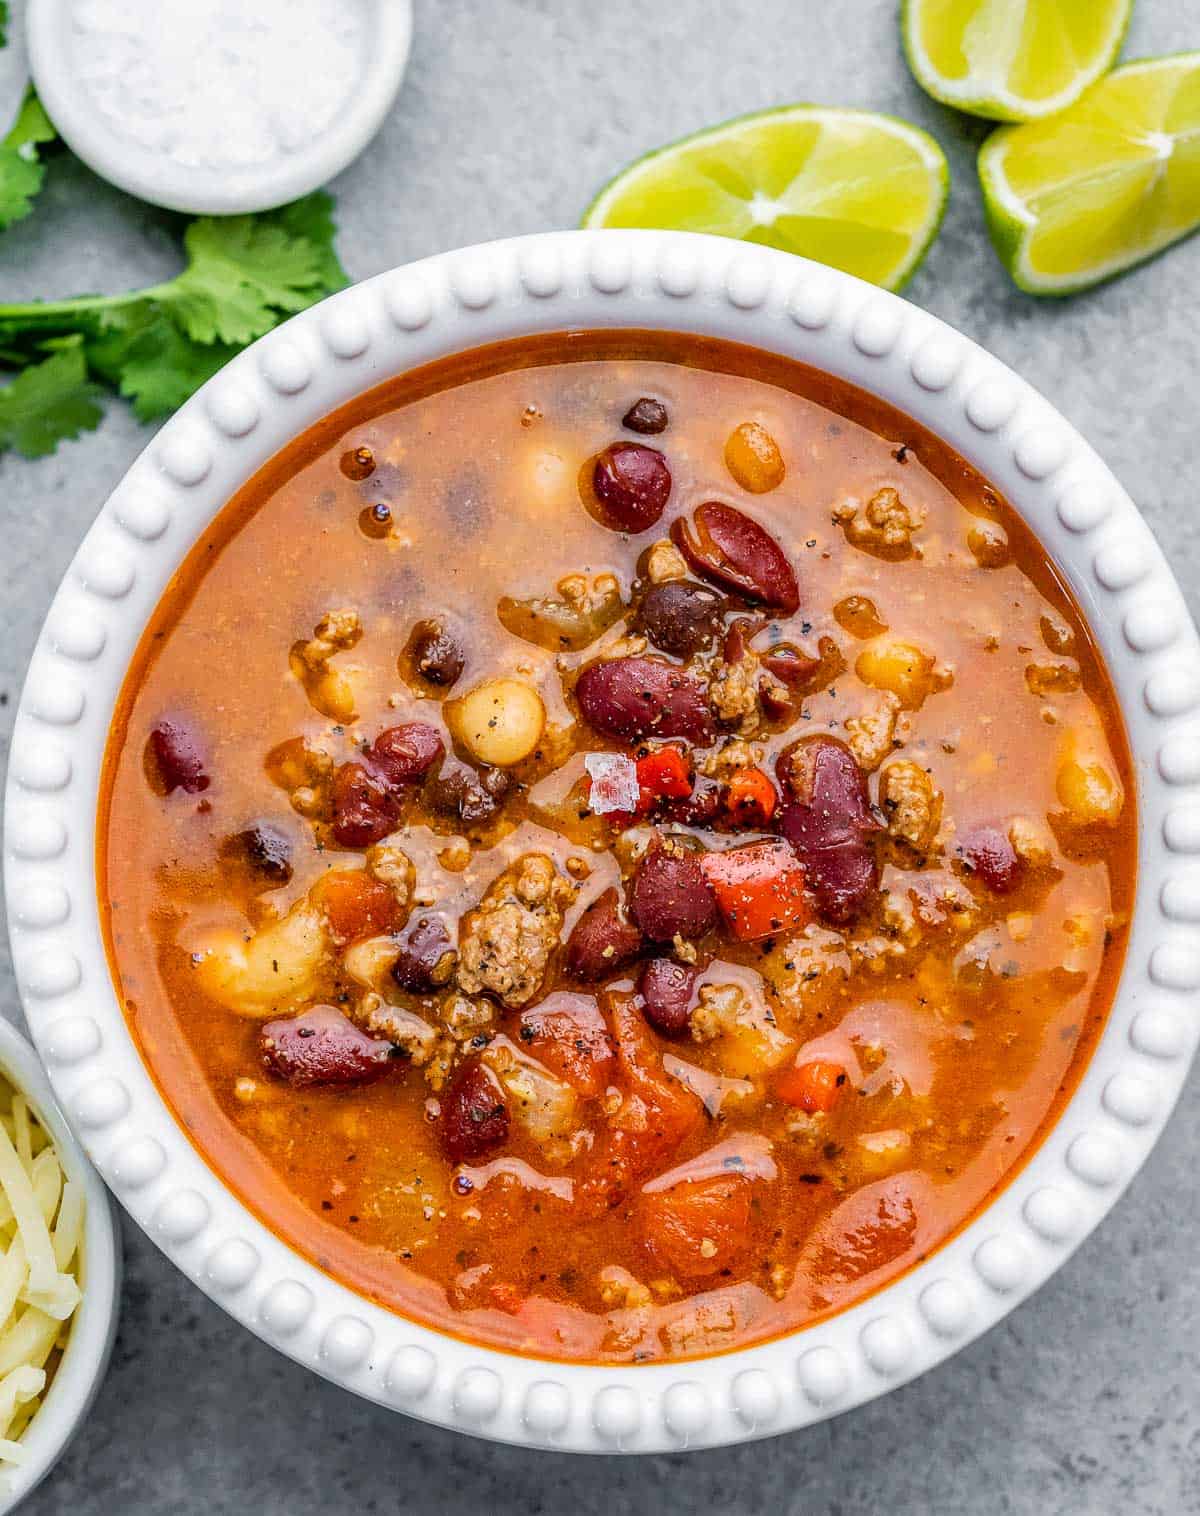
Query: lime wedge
x=1011, y=60
x=1106, y=184
x=862, y=192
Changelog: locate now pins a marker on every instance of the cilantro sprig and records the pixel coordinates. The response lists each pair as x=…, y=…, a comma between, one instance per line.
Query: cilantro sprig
x=21, y=169
x=156, y=346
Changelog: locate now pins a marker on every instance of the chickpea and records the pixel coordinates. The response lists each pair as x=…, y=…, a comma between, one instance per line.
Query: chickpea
x=499, y=722
x=752, y=456
x=890, y=663
x=1086, y=784
x=279, y=968
x=1091, y=794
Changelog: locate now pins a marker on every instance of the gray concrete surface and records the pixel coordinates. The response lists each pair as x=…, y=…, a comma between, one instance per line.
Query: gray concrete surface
x=1084, y=1401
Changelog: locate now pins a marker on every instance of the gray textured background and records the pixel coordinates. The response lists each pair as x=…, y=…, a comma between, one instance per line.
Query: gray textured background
x=514, y=112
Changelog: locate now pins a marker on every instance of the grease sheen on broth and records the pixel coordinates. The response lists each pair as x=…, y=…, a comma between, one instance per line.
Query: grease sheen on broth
x=853, y=904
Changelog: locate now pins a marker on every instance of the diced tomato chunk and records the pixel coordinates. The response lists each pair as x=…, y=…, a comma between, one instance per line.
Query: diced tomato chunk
x=656, y=1114
x=815, y=1085
x=357, y=905
x=698, y=1226
x=751, y=799
x=760, y=889
x=665, y=773
x=567, y=1032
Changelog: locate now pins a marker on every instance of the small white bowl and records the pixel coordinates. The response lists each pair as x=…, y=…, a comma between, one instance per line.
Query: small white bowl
x=323, y=358
x=136, y=147
x=82, y=1367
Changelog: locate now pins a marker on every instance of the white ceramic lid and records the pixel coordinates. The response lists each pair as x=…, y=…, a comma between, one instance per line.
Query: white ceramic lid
x=217, y=107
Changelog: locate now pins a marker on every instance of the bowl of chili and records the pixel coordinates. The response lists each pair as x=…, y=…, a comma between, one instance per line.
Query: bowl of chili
x=742, y=845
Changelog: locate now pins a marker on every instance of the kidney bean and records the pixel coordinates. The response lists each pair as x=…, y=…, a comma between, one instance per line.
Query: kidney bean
x=701, y=808
x=631, y=698
x=739, y=634
x=474, y=1115
x=365, y=810
x=631, y=483
x=733, y=551
x=265, y=850
x=603, y=941
x=567, y=1032
x=671, y=897
x=789, y=665
x=646, y=416
x=666, y=989
x=828, y=820
x=680, y=618
x=989, y=856
x=426, y=959
x=178, y=758
x=405, y=754
x=322, y=1047
x=435, y=653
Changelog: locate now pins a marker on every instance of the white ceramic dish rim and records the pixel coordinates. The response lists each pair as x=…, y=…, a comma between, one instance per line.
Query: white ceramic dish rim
x=456, y=301
x=157, y=177
x=82, y=1366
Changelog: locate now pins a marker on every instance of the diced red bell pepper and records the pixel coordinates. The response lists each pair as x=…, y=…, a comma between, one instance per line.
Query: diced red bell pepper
x=665, y=773
x=813, y=1086
x=760, y=889
x=751, y=798
x=357, y=905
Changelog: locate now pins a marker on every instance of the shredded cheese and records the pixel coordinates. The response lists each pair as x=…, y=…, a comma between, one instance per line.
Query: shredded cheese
x=41, y=1229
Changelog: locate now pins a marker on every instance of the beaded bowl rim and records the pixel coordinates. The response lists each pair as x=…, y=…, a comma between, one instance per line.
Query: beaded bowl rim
x=451, y=303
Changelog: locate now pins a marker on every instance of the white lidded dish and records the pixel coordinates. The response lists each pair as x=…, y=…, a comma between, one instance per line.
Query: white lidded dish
x=215, y=107
x=450, y=304
x=81, y=1368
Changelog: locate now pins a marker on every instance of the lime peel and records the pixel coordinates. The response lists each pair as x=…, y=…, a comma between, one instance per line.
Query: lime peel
x=861, y=191
x=995, y=46
x=1105, y=185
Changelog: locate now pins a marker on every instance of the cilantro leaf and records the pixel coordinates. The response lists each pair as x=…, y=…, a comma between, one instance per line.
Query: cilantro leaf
x=49, y=402
x=3, y=23
x=311, y=219
x=151, y=361
x=243, y=273
x=21, y=171
x=157, y=346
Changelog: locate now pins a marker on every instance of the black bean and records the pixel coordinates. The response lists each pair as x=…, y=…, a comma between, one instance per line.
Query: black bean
x=646, y=416
x=436, y=653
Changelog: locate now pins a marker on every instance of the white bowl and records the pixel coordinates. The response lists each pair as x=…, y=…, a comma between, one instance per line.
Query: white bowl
x=446, y=304
x=84, y=1361
x=138, y=154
